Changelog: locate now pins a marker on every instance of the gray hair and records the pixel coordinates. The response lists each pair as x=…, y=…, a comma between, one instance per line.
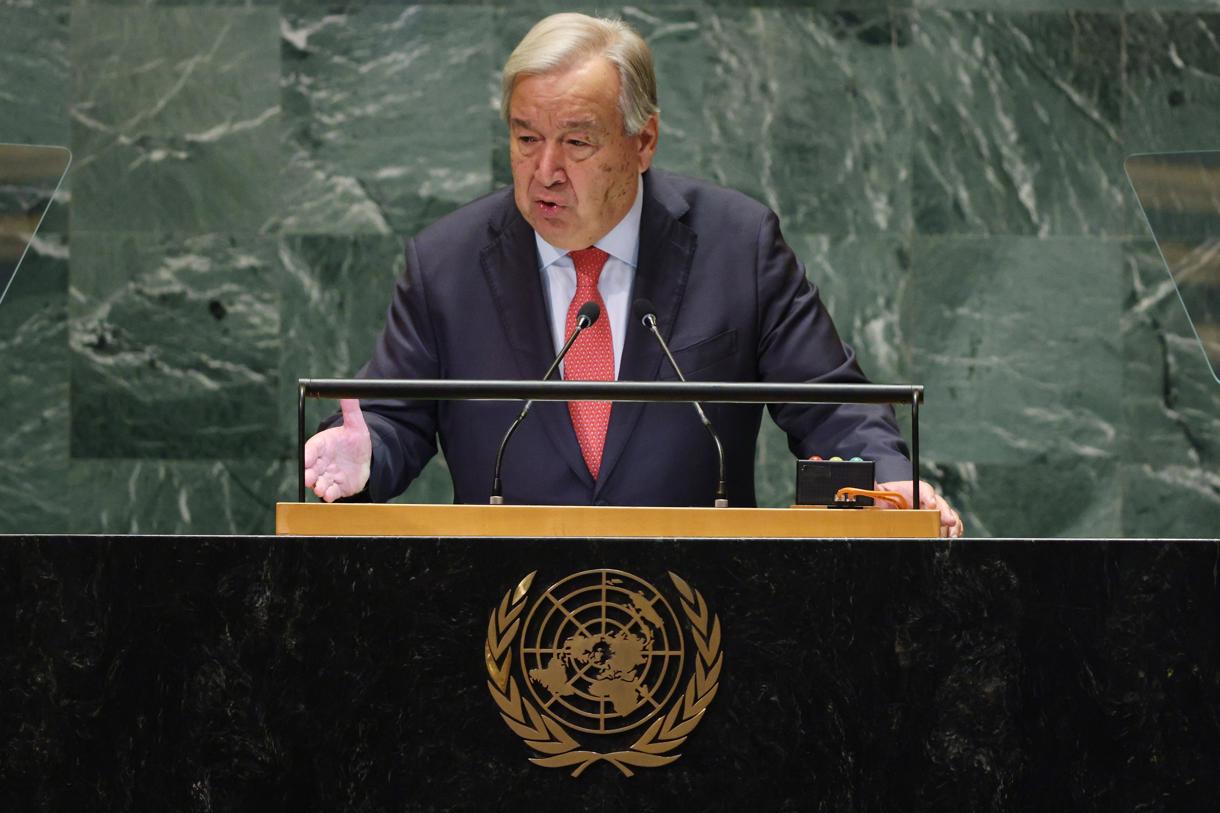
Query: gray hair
x=564, y=40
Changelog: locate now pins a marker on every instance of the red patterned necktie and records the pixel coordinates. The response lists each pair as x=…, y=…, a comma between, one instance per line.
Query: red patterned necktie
x=591, y=358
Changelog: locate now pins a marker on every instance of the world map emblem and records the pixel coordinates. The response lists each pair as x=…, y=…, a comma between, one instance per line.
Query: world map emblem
x=600, y=655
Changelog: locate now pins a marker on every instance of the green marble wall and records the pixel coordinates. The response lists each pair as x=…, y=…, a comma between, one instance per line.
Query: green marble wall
x=950, y=170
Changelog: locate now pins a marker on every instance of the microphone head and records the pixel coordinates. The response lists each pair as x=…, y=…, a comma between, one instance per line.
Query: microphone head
x=588, y=313
x=644, y=311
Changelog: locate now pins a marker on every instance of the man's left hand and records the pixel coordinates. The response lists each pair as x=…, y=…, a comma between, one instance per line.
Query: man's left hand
x=950, y=522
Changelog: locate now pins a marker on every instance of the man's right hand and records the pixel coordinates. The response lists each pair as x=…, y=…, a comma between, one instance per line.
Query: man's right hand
x=337, y=460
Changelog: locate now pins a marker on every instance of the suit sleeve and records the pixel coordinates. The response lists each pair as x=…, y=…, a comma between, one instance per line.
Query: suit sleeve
x=798, y=343
x=403, y=432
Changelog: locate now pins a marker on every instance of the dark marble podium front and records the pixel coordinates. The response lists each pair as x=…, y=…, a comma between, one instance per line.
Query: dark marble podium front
x=269, y=674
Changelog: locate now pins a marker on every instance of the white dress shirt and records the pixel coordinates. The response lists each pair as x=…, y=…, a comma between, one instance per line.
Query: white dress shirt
x=622, y=243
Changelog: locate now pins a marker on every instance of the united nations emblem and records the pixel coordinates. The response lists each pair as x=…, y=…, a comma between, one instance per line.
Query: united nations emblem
x=601, y=654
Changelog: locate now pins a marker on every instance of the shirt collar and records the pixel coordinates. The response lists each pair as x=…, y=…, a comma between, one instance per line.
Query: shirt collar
x=622, y=242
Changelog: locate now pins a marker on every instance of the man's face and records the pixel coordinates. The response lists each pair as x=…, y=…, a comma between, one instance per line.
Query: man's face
x=574, y=171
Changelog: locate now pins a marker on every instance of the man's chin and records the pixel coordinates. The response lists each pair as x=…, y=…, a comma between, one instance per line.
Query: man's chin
x=558, y=235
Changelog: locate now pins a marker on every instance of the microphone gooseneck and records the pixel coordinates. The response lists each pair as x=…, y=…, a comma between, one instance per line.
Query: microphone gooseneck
x=646, y=312
x=585, y=318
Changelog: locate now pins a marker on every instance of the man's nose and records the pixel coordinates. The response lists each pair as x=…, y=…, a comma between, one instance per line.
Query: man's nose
x=550, y=164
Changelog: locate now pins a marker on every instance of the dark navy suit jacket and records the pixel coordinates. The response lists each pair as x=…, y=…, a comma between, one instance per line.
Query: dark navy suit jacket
x=732, y=301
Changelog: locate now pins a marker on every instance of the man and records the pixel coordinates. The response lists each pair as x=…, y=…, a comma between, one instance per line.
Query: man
x=492, y=291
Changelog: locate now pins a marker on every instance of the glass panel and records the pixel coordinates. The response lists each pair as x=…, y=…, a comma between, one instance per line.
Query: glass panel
x=30, y=177
x=1180, y=196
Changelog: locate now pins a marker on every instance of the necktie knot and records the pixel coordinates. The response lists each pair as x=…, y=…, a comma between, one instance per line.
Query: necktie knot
x=589, y=263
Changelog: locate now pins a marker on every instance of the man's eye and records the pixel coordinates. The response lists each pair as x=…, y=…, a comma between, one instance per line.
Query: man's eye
x=576, y=142
x=527, y=139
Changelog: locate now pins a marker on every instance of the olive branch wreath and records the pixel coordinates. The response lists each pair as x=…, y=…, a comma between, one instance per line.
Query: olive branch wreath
x=547, y=736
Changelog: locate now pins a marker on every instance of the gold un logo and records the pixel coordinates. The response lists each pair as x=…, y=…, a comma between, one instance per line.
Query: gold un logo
x=598, y=656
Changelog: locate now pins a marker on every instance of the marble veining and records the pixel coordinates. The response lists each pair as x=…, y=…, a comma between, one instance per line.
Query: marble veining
x=1017, y=121
x=144, y=130
x=373, y=97
x=214, y=383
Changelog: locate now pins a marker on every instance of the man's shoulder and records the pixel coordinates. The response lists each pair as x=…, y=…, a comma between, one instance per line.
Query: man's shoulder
x=472, y=225
x=704, y=201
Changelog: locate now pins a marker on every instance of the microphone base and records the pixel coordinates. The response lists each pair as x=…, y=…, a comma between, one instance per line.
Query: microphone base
x=722, y=503
x=496, y=500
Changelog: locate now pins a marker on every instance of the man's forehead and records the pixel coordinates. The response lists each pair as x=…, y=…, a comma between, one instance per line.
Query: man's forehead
x=576, y=123
x=580, y=96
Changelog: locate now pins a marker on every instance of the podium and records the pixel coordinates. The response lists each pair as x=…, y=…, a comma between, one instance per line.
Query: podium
x=363, y=673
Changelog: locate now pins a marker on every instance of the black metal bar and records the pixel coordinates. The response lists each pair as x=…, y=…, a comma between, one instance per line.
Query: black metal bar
x=646, y=391
x=300, y=441
x=915, y=451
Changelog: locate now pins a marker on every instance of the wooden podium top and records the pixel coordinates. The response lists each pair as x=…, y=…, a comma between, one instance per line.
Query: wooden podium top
x=541, y=521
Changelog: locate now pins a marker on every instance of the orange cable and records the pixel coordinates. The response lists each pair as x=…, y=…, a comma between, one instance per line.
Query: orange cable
x=889, y=496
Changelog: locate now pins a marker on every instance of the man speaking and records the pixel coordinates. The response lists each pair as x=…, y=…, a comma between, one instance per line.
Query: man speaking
x=494, y=290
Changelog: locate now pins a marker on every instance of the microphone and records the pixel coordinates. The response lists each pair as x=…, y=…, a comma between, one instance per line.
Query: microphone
x=585, y=317
x=646, y=312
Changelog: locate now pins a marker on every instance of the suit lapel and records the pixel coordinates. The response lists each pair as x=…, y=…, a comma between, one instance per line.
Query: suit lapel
x=510, y=266
x=667, y=249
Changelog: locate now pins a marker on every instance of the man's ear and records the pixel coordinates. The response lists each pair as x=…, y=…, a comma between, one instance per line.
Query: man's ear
x=647, y=141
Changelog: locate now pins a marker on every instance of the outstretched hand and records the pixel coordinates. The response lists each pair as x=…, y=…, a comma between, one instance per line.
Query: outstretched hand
x=950, y=522
x=337, y=460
